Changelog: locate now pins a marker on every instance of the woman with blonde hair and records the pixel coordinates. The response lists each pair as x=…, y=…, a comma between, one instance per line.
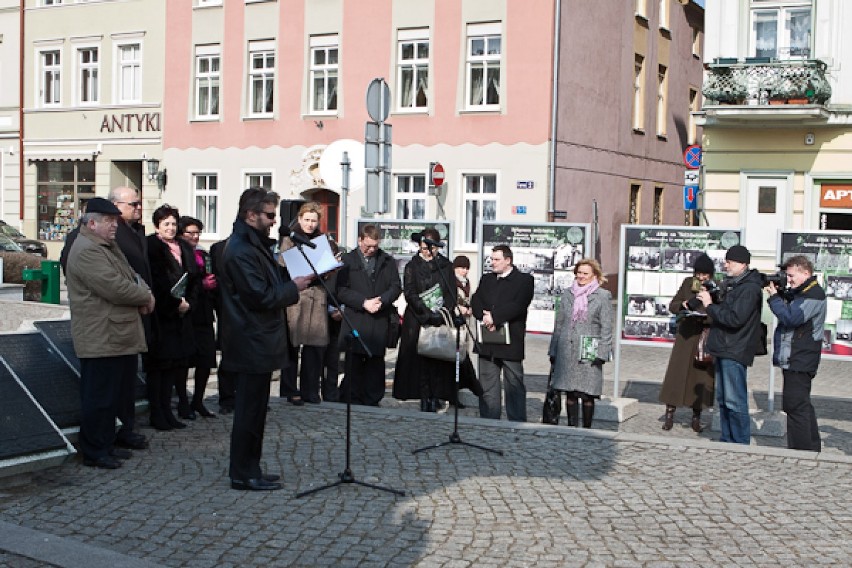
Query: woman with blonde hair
x=582, y=340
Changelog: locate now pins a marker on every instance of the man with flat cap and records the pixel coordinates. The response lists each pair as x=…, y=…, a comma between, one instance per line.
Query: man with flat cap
x=107, y=299
x=734, y=340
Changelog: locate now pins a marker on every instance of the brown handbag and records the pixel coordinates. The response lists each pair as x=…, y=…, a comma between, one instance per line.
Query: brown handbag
x=702, y=357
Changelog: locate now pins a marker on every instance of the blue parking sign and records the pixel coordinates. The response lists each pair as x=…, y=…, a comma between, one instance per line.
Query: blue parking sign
x=690, y=197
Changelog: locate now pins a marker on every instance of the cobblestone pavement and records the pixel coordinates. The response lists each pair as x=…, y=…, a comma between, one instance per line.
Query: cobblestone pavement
x=617, y=495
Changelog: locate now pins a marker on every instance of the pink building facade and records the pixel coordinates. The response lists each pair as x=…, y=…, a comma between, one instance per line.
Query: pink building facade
x=256, y=91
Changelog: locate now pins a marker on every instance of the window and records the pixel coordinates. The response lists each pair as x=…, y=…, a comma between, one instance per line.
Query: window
x=638, y=93
x=410, y=197
x=484, y=48
x=658, y=206
x=87, y=64
x=207, y=77
x=62, y=189
x=692, y=128
x=662, y=100
x=263, y=180
x=696, y=43
x=664, y=14
x=51, y=84
x=129, y=74
x=206, y=188
x=413, y=69
x=324, y=71
x=480, y=203
x=641, y=8
x=261, y=77
x=51, y=2
x=633, y=208
x=783, y=32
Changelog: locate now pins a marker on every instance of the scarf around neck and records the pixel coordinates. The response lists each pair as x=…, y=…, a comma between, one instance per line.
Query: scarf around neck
x=581, y=299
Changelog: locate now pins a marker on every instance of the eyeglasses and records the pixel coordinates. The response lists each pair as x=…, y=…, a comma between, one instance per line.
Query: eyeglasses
x=131, y=203
x=269, y=215
x=192, y=233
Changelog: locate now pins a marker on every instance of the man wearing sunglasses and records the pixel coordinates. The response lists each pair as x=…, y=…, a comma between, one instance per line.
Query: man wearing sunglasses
x=130, y=236
x=255, y=290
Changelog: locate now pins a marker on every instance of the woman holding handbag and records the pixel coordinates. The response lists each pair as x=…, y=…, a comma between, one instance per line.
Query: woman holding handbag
x=426, y=286
x=689, y=381
x=582, y=341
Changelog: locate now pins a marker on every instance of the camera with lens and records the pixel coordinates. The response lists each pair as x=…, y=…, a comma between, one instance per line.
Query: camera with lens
x=779, y=279
x=712, y=288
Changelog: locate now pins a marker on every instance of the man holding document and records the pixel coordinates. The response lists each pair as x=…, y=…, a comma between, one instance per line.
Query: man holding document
x=500, y=305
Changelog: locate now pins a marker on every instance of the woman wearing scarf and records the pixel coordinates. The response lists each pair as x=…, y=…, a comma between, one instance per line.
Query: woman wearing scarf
x=582, y=341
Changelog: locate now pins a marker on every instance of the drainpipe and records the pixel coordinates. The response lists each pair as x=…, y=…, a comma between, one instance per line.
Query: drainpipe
x=21, y=116
x=551, y=190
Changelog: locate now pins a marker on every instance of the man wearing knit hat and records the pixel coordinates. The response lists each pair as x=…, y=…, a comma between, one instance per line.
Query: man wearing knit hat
x=734, y=340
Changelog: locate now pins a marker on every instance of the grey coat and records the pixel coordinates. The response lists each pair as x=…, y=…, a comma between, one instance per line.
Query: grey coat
x=569, y=373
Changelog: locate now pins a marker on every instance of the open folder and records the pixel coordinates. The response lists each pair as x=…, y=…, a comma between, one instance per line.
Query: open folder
x=321, y=257
x=499, y=336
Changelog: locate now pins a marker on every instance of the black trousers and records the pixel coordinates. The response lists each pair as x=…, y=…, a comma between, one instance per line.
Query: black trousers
x=101, y=381
x=802, y=429
x=252, y=399
x=366, y=377
x=227, y=389
x=127, y=404
x=308, y=368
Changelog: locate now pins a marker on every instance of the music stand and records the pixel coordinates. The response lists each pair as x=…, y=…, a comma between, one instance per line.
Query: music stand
x=455, y=438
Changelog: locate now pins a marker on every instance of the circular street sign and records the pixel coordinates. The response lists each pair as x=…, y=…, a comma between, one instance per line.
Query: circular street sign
x=692, y=157
x=378, y=100
x=437, y=175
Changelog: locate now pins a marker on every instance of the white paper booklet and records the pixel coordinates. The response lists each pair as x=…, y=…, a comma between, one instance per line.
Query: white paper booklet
x=322, y=258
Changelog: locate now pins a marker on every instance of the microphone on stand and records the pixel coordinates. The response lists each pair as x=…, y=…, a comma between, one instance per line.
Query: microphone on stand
x=301, y=239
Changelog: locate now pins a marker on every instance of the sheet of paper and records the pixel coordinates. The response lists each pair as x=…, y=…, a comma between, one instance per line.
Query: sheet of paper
x=322, y=258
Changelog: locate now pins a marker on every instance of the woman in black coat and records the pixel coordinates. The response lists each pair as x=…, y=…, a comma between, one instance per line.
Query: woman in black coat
x=203, y=316
x=430, y=380
x=171, y=351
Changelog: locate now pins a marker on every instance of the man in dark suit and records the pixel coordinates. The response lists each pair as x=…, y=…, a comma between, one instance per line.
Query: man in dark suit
x=503, y=297
x=130, y=237
x=255, y=291
x=224, y=378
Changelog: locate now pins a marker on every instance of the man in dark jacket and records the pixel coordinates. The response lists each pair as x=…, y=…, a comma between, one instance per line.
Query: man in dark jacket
x=734, y=340
x=800, y=310
x=503, y=296
x=130, y=237
x=367, y=286
x=224, y=378
x=255, y=289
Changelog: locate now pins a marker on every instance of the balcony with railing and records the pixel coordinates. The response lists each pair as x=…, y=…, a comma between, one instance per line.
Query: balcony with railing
x=766, y=90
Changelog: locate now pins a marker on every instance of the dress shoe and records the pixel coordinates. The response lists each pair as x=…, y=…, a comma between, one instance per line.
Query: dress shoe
x=120, y=454
x=202, y=410
x=161, y=424
x=174, y=422
x=254, y=485
x=134, y=442
x=270, y=477
x=295, y=401
x=105, y=462
x=187, y=414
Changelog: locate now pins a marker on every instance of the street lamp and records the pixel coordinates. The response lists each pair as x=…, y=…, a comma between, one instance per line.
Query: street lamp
x=154, y=173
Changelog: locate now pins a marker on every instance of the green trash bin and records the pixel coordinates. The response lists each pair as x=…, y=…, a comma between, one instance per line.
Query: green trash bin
x=49, y=276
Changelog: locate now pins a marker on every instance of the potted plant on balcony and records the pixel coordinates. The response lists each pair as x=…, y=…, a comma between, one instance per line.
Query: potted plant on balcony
x=725, y=88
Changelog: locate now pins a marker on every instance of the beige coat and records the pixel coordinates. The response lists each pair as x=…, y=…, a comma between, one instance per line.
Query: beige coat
x=307, y=320
x=105, y=296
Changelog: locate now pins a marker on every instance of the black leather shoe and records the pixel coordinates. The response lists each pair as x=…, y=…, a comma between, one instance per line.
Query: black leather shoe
x=135, y=442
x=161, y=424
x=295, y=401
x=121, y=454
x=254, y=485
x=174, y=422
x=270, y=477
x=105, y=462
x=202, y=410
x=187, y=415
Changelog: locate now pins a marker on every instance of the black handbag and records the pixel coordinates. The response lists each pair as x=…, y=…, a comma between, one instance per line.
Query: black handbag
x=552, y=403
x=393, y=328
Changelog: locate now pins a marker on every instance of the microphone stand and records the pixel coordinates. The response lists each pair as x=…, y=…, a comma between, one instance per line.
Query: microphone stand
x=346, y=476
x=455, y=438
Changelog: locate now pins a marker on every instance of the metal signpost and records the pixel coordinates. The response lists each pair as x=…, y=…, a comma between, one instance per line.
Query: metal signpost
x=377, y=148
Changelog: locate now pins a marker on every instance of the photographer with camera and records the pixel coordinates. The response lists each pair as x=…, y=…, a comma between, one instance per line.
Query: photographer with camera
x=735, y=336
x=800, y=310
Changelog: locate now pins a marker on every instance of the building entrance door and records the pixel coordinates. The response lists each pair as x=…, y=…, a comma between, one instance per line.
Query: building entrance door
x=330, y=203
x=767, y=210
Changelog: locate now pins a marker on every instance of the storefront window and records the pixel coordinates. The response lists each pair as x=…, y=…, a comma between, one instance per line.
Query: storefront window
x=63, y=188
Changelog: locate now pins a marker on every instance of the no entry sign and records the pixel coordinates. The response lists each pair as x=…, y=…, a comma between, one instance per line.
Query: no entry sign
x=436, y=175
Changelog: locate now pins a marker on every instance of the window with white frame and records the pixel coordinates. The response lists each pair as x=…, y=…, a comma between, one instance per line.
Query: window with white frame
x=696, y=42
x=325, y=67
x=410, y=196
x=51, y=78
x=480, y=203
x=261, y=77
x=664, y=14
x=694, y=106
x=781, y=30
x=129, y=73
x=206, y=194
x=51, y=2
x=641, y=8
x=259, y=179
x=639, y=93
x=662, y=100
x=207, y=78
x=88, y=62
x=412, y=76
x=484, y=56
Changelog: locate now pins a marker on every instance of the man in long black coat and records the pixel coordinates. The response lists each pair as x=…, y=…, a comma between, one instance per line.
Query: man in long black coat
x=255, y=289
x=367, y=286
